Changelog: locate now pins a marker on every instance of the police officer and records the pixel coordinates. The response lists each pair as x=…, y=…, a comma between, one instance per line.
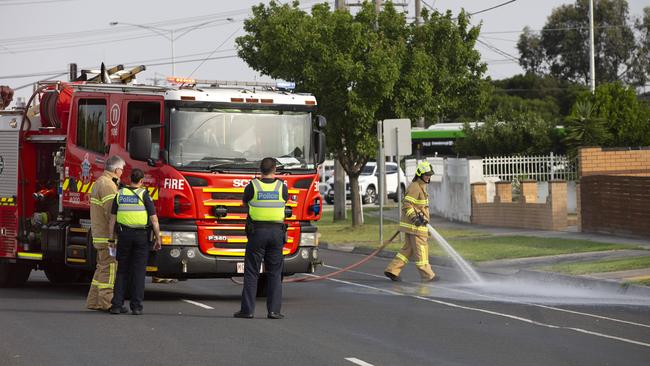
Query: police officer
x=134, y=212
x=413, y=222
x=101, y=198
x=266, y=199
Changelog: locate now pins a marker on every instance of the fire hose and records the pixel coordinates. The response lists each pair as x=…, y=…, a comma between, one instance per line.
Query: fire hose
x=337, y=272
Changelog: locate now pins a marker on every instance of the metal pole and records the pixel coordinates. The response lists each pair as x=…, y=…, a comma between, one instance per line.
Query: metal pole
x=173, y=59
x=380, y=170
x=399, y=178
x=418, y=10
x=399, y=175
x=592, y=61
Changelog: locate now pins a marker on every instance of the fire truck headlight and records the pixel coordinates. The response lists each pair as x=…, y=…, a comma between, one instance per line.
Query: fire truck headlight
x=304, y=253
x=308, y=239
x=178, y=238
x=175, y=253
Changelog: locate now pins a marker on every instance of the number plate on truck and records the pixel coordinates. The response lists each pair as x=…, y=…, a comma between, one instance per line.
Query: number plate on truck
x=240, y=267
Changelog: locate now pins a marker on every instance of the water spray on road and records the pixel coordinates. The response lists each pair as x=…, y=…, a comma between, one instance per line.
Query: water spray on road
x=467, y=270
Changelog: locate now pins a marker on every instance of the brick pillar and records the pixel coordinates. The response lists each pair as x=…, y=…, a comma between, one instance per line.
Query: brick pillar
x=504, y=192
x=557, y=192
x=529, y=191
x=479, y=192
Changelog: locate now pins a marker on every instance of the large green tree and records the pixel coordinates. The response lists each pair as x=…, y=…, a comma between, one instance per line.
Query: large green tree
x=562, y=46
x=365, y=67
x=342, y=58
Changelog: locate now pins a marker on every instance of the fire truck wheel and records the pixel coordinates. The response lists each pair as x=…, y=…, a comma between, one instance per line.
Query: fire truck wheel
x=13, y=275
x=61, y=274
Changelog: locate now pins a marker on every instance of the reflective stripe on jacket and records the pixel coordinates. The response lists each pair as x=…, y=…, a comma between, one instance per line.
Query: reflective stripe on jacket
x=267, y=203
x=416, y=199
x=131, y=210
x=101, y=202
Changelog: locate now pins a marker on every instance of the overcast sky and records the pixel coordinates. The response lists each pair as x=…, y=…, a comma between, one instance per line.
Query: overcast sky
x=40, y=37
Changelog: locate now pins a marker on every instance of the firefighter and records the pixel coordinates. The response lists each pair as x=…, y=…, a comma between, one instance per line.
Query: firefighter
x=134, y=212
x=413, y=222
x=101, y=200
x=266, y=199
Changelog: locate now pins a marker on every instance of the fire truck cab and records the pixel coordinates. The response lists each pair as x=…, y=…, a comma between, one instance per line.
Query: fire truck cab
x=199, y=146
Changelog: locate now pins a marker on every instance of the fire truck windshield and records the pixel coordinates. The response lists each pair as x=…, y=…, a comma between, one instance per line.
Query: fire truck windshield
x=209, y=139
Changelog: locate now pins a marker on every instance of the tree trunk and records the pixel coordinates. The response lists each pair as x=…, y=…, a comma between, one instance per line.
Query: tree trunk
x=356, y=201
x=339, y=191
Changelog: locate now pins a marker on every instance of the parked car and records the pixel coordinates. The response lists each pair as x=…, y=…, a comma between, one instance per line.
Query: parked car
x=368, y=183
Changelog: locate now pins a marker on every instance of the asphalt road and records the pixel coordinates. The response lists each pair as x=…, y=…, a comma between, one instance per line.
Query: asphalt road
x=357, y=318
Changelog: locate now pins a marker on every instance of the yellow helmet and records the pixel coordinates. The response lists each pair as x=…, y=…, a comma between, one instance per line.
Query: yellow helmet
x=424, y=168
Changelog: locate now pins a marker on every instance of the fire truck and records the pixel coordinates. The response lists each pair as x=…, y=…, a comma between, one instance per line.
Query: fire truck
x=199, y=144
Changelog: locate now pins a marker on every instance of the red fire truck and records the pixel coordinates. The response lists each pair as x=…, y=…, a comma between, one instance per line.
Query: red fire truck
x=199, y=146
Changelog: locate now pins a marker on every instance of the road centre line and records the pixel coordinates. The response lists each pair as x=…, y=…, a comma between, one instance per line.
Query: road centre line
x=515, y=301
x=509, y=316
x=358, y=361
x=198, y=304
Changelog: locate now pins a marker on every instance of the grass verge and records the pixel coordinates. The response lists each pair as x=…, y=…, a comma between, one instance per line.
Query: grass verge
x=472, y=245
x=609, y=265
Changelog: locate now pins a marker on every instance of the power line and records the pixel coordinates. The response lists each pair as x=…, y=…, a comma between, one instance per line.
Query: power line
x=497, y=50
x=493, y=7
x=33, y=2
x=555, y=29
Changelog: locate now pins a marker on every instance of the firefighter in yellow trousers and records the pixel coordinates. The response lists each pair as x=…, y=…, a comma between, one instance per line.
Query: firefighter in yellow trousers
x=413, y=222
x=101, y=202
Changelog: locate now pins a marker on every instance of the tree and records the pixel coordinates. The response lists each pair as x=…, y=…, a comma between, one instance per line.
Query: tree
x=366, y=67
x=562, y=48
x=531, y=52
x=585, y=128
x=441, y=74
x=626, y=119
x=349, y=64
x=525, y=133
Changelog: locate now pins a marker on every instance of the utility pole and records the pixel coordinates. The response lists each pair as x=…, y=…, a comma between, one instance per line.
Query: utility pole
x=592, y=61
x=418, y=12
x=340, y=5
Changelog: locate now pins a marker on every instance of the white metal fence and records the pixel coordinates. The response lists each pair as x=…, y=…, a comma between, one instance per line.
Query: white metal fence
x=539, y=168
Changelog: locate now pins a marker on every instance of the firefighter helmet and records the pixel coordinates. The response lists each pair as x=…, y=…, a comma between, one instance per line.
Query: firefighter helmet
x=424, y=168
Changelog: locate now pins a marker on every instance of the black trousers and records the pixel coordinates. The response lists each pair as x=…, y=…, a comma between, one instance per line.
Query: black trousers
x=264, y=244
x=132, y=255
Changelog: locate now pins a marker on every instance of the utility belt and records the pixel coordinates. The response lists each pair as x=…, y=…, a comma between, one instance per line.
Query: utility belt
x=128, y=229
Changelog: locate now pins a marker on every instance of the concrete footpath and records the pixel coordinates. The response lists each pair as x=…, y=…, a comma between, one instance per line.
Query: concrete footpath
x=521, y=265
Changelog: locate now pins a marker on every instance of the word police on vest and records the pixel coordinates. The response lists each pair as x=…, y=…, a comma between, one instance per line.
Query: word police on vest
x=129, y=200
x=266, y=195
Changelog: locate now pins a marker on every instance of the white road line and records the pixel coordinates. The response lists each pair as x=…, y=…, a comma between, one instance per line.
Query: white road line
x=198, y=304
x=496, y=313
x=516, y=301
x=358, y=361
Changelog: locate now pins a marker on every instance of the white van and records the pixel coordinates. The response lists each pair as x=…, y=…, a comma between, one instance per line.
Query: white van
x=368, y=183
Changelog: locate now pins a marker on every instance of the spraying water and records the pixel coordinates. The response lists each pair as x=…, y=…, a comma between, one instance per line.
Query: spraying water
x=467, y=270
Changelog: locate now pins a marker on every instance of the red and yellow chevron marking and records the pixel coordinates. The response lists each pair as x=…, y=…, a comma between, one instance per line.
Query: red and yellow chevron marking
x=7, y=201
x=88, y=187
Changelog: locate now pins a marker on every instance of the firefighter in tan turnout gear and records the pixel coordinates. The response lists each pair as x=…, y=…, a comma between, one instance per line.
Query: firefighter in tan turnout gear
x=101, y=202
x=413, y=222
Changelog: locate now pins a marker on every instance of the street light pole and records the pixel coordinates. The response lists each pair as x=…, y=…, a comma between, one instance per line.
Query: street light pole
x=171, y=37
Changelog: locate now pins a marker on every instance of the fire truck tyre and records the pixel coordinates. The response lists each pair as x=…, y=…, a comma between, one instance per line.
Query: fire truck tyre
x=13, y=275
x=370, y=195
x=61, y=274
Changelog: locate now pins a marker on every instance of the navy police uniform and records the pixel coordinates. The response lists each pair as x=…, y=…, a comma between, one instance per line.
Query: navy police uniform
x=266, y=199
x=133, y=208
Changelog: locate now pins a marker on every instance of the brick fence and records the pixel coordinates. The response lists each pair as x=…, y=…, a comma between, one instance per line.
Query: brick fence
x=614, y=161
x=615, y=204
x=614, y=190
x=551, y=215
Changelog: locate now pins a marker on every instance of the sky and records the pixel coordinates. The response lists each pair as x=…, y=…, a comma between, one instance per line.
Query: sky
x=39, y=38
